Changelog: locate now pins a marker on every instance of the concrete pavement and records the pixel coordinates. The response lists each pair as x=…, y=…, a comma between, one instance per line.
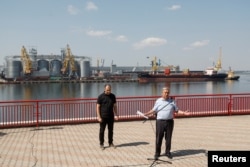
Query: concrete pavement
x=78, y=145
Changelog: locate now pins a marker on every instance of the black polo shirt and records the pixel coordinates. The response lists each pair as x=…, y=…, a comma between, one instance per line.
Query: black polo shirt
x=107, y=105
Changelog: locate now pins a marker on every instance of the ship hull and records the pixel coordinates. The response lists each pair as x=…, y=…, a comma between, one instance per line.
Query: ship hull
x=233, y=78
x=144, y=78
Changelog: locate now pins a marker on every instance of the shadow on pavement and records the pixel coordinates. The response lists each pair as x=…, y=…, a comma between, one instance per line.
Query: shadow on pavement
x=180, y=153
x=49, y=128
x=132, y=144
x=2, y=134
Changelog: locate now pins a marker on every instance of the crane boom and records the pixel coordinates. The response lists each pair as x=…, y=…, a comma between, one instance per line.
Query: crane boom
x=27, y=64
x=68, y=62
x=219, y=64
x=154, y=65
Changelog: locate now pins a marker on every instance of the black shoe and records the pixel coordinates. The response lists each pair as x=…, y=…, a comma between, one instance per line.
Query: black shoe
x=112, y=145
x=156, y=157
x=102, y=147
x=169, y=155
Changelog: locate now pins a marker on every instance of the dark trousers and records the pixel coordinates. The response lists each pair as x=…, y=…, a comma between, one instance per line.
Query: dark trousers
x=110, y=123
x=163, y=127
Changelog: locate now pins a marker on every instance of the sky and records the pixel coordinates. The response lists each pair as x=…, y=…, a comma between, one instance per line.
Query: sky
x=191, y=34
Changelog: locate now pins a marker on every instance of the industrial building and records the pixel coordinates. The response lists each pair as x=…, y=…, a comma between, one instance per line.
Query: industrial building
x=32, y=66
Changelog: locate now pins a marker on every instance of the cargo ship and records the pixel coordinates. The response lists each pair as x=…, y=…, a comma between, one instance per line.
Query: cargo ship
x=210, y=74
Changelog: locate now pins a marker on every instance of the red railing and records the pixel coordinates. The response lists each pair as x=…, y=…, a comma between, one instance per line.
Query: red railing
x=70, y=111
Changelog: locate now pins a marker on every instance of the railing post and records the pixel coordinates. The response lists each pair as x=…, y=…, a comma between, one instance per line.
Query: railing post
x=230, y=105
x=37, y=113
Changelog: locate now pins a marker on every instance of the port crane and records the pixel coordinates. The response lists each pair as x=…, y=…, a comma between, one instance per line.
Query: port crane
x=27, y=64
x=156, y=66
x=69, y=63
x=218, y=65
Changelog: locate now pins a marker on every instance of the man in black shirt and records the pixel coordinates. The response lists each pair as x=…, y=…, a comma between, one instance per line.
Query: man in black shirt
x=106, y=110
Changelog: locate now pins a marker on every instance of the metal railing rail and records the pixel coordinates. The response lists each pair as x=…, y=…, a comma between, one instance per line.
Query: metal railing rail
x=83, y=110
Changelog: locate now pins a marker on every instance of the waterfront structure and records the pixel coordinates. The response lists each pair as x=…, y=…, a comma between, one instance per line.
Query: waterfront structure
x=31, y=66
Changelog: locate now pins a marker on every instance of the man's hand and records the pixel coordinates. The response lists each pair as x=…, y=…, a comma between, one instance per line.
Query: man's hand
x=186, y=113
x=99, y=119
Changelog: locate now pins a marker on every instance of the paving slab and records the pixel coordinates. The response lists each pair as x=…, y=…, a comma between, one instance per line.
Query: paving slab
x=78, y=145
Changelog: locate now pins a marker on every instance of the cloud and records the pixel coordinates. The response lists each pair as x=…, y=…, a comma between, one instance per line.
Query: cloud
x=72, y=10
x=149, y=42
x=121, y=38
x=98, y=33
x=174, y=7
x=200, y=43
x=197, y=44
x=91, y=6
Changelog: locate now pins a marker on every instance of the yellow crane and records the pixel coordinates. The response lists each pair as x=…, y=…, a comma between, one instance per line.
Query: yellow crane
x=154, y=65
x=27, y=64
x=68, y=62
x=218, y=65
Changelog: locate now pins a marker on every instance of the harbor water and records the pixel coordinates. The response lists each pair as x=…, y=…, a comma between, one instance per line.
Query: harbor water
x=42, y=91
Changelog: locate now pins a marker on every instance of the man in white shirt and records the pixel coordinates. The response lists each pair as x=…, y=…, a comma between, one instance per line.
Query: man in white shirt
x=164, y=108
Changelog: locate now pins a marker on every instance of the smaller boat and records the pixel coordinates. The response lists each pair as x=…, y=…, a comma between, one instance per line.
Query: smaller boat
x=231, y=76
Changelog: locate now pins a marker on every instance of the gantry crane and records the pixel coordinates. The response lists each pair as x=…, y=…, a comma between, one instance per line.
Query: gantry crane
x=68, y=63
x=218, y=65
x=27, y=64
x=155, y=65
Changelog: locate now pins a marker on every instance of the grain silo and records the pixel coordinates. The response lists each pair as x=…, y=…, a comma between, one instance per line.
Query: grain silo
x=43, y=65
x=55, y=68
x=85, y=70
x=13, y=69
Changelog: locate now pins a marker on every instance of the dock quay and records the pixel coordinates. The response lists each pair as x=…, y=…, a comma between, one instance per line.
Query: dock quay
x=68, y=81
x=78, y=145
x=69, y=141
